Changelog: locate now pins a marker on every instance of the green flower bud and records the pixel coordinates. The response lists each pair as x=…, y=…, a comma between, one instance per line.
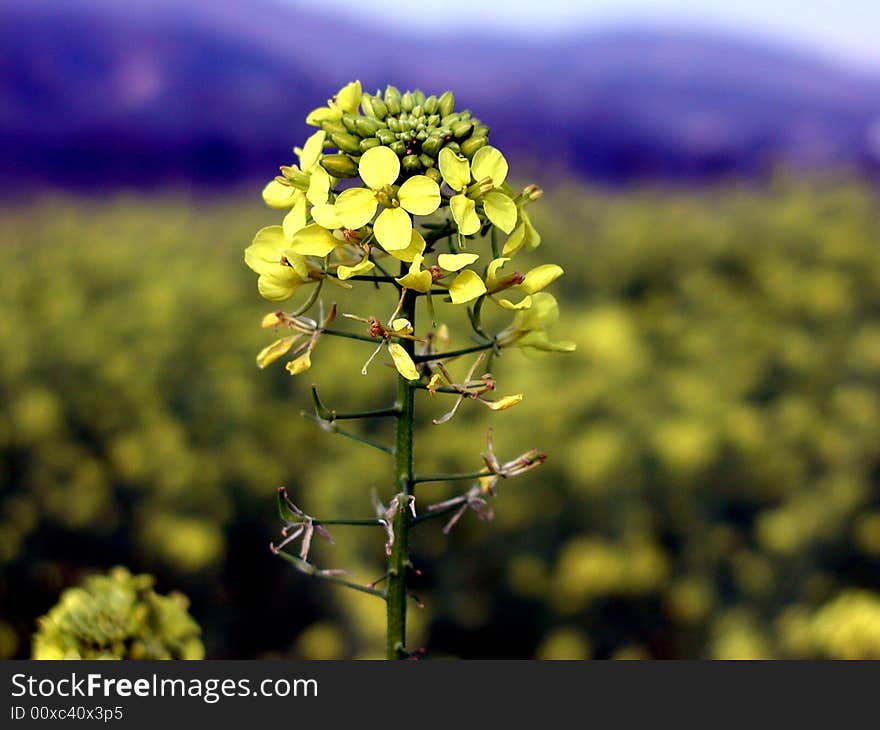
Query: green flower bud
x=367, y=105
x=369, y=143
x=433, y=120
x=411, y=163
x=341, y=166
x=346, y=142
x=460, y=130
x=399, y=148
x=426, y=160
x=421, y=135
x=349, y=121
x=432, y=145
x=419, y=97
x=481, y=130
x=465, y=115
x=392, y=100
x=431, y=105
x=444, y=132
x=454, y=146
x=446, y=103
x=295, y=176
x=418, y=112
x=367, y=126
x=449, y=119
x=434, y=174
x=380, y=110
x=395, y=125
x=386, y=136
x=470, y=146
x=333, y=127
x=407, y=101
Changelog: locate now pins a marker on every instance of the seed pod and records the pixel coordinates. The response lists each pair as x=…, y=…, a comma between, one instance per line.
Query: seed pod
x=426, y=160
x=434, y=174
x=418, y=112
x=470, y=146
x=386, y=136
x=411, y=163
x=481, y=131
x=340, y=166
x=460, y=130
x=367, y=105
x=346, y=142
x=349, y=121
x=398, y=147
x=367, y=126
x=419, y=97
x=432, y=145
x=407, y=102
x=380, y=110
x=369, y=143
x=449, y=119
x=446, y=103
x=430, y=105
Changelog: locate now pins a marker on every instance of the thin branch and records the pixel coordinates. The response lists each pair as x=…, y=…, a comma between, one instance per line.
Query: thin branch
x=308, y=569
x=331, y=427
x=453, y=353
x=451, y=506
x=352, y=336
x=422, y=478
x=329, y=414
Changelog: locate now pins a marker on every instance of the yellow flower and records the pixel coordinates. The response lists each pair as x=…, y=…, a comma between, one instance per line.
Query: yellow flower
x=534, y=281
x=281, y=269
x=529, y=327
x=465, y=287
x=488, y=171
x=379, y=168
x=346, y=101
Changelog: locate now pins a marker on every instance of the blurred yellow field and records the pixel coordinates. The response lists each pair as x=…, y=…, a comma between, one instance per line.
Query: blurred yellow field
x=714, y=444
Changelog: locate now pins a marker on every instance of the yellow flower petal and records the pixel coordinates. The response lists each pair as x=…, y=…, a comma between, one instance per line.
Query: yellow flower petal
x=279, y=348
x=379, y=166
x=433, y=384
x=319, y=186
x=489, y=162
x=492, y=271
x=504, y=403
x=355, y=207
x=323, y=114
x=524, y=303
x=270, y=320
x=401, y=325
x=393, y=228
x=325, y=216
x=416, y=246
x=523, y=235
x=543, y=313
x=295, y=219
x=466, y=286
x=313, y=240
x=349, y=97
x=265, y=253
x=416, y=279
x=464, y=211
x=420, y=195
x=300, y=365
x=280, y=196
x=345, y=272
x=540, y=341
x=541, y=277
x=278, y=288
x=500, y=209
x=311, y=151
x=454, y=168
x=402, y=361
x=456, y=261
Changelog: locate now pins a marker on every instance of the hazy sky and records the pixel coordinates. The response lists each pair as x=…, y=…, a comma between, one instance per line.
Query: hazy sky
x=848, y=30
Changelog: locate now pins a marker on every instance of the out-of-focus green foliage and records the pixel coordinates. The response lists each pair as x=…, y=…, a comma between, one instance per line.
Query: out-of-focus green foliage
x=118, y=616
x=712, y=488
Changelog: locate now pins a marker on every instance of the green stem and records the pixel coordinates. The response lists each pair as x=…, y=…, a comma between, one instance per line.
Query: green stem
x=352, y=336
x=403, y=483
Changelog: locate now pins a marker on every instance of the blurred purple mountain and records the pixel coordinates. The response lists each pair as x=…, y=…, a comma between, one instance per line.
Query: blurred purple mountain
x=145, y=92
